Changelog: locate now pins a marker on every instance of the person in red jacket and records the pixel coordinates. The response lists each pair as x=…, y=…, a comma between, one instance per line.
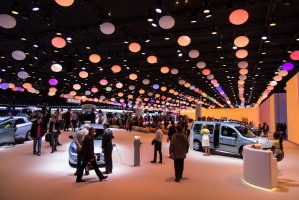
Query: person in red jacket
x=37, y=132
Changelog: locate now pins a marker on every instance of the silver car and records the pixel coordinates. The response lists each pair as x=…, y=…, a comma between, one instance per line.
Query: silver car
x=14, y=129
x=97, y=146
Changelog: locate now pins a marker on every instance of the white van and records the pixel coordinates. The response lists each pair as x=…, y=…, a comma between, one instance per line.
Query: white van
x=226, y=137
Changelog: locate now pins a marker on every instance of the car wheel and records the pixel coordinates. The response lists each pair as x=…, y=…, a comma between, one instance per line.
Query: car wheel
x=28, y=136
x=72, y=165
x=197, y=145
x=241, y=152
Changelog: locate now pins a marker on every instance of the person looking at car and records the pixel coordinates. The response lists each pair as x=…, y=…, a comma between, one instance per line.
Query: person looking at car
x=54, y=131
x=178, y=149
x=78, y=139
x=37, y=133
x=205, y=139
x=89, y=156
x=107, y=148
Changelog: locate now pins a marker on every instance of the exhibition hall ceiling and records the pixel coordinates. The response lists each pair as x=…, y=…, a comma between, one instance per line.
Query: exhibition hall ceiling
x=217, y=53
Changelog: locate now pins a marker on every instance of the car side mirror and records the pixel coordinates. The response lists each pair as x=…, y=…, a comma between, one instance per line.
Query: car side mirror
x=71, y=137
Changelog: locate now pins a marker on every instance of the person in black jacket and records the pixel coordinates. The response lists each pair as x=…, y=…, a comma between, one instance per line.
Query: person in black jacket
x=93, y=117
x=67, y=120
x=54, y=130
x=107, y=148
x=37, y=133
x=88, y=155
x=171, y=131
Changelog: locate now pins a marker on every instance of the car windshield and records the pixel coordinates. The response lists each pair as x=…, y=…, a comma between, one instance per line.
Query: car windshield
x=245, y=132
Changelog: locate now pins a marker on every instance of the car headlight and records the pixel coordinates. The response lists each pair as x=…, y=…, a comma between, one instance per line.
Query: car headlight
x=73, y=150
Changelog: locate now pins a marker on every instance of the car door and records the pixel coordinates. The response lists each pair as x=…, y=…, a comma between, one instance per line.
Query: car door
x=227, y=139
x=22, y=128
x=7, y=132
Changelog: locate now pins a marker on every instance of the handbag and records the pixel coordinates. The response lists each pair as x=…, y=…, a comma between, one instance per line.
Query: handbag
x=153, y=142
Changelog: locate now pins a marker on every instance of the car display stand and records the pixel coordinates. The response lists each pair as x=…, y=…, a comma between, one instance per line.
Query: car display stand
x=259, y=167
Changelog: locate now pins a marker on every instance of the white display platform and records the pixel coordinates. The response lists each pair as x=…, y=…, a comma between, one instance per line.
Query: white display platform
x=259, y=167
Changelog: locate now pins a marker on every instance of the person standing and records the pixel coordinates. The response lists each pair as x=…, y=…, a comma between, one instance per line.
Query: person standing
x=37, y=133
x=81, y=118
x=54, y=130
x=100, y=121
x=78, y=139
x=60, y=118
x=171, y=131
x=205, y=139
x=67, y=120
x=92, y=116
x=265, y=129
x=158, y=143
x=107, y=148
x=74, y=120
x=88, y=156
x=179, y=147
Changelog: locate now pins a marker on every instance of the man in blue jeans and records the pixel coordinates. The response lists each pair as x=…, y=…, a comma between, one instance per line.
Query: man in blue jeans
x=37, y=132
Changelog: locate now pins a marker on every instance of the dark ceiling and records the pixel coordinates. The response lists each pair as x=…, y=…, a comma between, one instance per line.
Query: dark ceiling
x=82, y=22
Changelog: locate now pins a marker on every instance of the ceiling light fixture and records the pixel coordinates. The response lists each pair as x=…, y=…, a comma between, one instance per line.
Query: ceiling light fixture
x=48, y=19
x=35, y=6
x=15, y=8
x=35, y=43
x=214, y=30
x=206, y=8
x=147, y=38
x=150, y=17
x=166, y=36
x=154, y=23
x=264, y=36
x=193, y=18
x=158, y=8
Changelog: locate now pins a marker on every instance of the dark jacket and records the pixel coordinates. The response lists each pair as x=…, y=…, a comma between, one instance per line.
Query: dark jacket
x=179, y=146
x=87, y=147
x=34, y=129
x=171, y=131
x=54, y=126
x=107, y=138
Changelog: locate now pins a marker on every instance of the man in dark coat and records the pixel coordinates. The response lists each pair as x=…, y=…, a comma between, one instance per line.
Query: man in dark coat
x=88, y=155
x=107, y=148
x=37, y=132
x=179, y=146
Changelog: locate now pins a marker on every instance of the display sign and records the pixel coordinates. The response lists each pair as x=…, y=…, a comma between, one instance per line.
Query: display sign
x=74, y=101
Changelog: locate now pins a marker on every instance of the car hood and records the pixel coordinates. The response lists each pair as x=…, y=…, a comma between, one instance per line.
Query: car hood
x=263, y=141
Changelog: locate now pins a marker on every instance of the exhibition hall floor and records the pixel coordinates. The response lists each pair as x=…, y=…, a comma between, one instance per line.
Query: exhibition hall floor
x=24, y=176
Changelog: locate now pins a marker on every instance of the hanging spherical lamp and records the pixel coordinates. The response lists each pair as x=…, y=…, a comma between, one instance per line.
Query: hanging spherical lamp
x=152, y=59
x=73, y=93
x=77, y=86
x=27, y=85
x=103, y=82
x=238, y=17
x=116, y=68
x=156, y=86
x=241, y=41
x=23, y=74
x=187, y=84
x=145, y=81
x=94, y=58
x=273, y=83
x=210, y=76
x=53, y=89
x=107, y=28
x=108, y=89
x=83, y=74
x=243, y=64
x=133, y=76
x=58, y=42
x=277, y=78
x=18, y=55
x=64, y=3
x=282, y=73
x=201, y=65
x=134, y=47
x=295, y=55
x=241, y=82
x=119, y=85
x=166, y=22
x=182, y=82
x=193, y=53
x=270, y=87
x=94, y=90
x=7, y=21
x=242, y=53
x=56, y=67
x=164, y=69
x=174, y=71
x=243, y=71
x=184, y=40
x=288, y=66
x=130, y=96
x=206, y=72
x=141, y=91
x=131, y=87
x=214, y=81
x=120, y=94
x=171, y=91
x=163, y=88
x=243, y=77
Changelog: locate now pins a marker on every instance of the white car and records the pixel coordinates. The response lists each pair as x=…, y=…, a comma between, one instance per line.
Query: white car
x=14, y=129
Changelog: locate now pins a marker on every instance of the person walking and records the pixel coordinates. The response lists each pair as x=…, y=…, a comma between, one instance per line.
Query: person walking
x=205, y=139
x=158, y=143
x=88, y=156
x=37, y=133
x=179, y=146
x=107, y=148
x=78, y=139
